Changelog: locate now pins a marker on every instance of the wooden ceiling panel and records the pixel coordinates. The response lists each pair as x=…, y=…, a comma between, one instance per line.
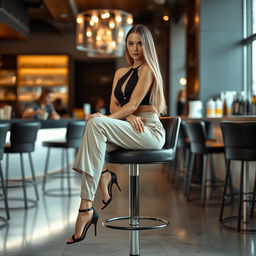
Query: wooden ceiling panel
x=6, y=32
x=133, y=6
x=59, y=10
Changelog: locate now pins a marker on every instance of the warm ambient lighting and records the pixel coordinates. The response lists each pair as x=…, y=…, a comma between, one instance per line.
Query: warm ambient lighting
x=183, y=81
x=166, y=18
x=101, y=32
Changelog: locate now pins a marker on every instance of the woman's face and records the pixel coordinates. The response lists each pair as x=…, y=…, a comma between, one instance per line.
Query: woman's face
x=134, y=46
x=48, y=98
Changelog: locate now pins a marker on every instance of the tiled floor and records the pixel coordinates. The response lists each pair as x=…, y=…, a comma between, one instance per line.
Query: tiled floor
x=193, y=231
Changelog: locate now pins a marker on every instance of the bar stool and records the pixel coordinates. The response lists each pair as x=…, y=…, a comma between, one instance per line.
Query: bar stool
x=3, y=131
x=74, y=134
x=240, y=144
x=200, y=145
x=182, y=156
x=134, y=158
x=23, y=138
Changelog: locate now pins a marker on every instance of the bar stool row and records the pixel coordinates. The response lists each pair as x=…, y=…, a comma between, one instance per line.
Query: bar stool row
x=22, y=140
x=240, y=145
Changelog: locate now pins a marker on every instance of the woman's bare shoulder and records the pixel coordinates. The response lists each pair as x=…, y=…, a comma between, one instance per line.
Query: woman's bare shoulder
x=121, y=71
x=145, y=69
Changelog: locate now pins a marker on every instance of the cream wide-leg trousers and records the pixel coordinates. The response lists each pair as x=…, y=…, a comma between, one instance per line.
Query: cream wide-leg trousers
x=103, y=134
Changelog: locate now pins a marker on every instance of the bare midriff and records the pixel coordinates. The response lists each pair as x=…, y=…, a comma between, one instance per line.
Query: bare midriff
x=144, y=108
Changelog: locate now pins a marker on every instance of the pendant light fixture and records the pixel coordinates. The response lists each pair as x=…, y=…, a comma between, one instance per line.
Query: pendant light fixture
x=101, y=32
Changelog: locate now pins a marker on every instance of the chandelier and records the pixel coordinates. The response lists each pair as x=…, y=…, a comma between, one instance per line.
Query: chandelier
x=101, y=32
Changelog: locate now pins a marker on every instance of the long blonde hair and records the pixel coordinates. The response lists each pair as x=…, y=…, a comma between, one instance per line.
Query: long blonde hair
x=157, y=98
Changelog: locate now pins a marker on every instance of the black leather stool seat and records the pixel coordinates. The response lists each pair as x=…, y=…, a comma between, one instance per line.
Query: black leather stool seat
x=148, y=156
x=60, y=144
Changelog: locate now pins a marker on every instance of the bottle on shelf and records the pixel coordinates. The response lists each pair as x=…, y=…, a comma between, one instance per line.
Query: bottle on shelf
x=210, y=108
x=218, y=108
x=248, y=104
x=236, y=105
x=253, y=111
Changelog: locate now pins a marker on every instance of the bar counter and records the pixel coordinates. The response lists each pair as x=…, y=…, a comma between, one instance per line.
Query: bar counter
x=45, y=124
x=224, y=118
x=50, y=130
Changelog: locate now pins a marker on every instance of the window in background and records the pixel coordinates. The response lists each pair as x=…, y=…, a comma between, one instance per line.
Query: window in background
x=254, y=46
x=253, y=16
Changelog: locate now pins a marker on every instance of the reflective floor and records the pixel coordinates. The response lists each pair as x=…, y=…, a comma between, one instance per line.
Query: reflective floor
x=193, y=231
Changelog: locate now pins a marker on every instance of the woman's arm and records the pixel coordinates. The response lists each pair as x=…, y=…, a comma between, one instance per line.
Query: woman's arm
x=54, y=115
x=144, y=83
x=30, y=113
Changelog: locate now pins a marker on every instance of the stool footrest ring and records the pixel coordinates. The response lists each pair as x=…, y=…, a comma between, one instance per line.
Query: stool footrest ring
x=164, y=223
x=234, y=219
x=31, y=203
x=59, y=192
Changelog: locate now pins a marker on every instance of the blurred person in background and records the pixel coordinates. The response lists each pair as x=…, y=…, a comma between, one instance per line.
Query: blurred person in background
x=59, y=108
x=42, y=108
x=181, y=102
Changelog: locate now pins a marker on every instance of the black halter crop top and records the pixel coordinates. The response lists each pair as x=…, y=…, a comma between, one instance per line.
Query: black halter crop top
x=124, y=98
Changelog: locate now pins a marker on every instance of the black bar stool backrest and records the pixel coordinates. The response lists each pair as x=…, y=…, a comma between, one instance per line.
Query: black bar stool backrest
x=75, y=131
x=197, y=136
x=172, y=127
x=3, y=131
x=182, y=135
x=239, y=140
x=23, y=136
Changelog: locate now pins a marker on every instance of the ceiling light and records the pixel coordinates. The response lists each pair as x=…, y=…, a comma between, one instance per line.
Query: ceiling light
x=103, y=32
x=166, y=18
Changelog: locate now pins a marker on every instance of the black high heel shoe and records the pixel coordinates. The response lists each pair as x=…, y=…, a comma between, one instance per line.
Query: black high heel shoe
x=110, y=185
x=94, y=221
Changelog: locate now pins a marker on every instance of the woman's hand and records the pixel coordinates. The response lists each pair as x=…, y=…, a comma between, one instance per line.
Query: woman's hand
x=136, y=122
x=40, y=112
x=95, y=115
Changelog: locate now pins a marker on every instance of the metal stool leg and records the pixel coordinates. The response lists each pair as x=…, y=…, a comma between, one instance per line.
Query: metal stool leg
x=225, y=190
x=240, y=198
x=33, y=176
x=7, y=174
x=4, y=193
x=134, y=209
x=253, y=197
x=62, y=169
x=204, y=178
x=23, y=181
x=68, y=173
x=187, y=165
x=46, y=168
x=190, y=174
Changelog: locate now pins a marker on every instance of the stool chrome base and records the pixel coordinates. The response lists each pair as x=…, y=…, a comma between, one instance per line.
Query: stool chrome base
x=134, y=217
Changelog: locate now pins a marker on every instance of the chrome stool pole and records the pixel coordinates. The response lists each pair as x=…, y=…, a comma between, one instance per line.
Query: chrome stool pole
x=134, y=209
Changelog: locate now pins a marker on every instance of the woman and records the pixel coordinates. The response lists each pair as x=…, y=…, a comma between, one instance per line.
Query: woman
x=42, y=108
x=136, y=101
